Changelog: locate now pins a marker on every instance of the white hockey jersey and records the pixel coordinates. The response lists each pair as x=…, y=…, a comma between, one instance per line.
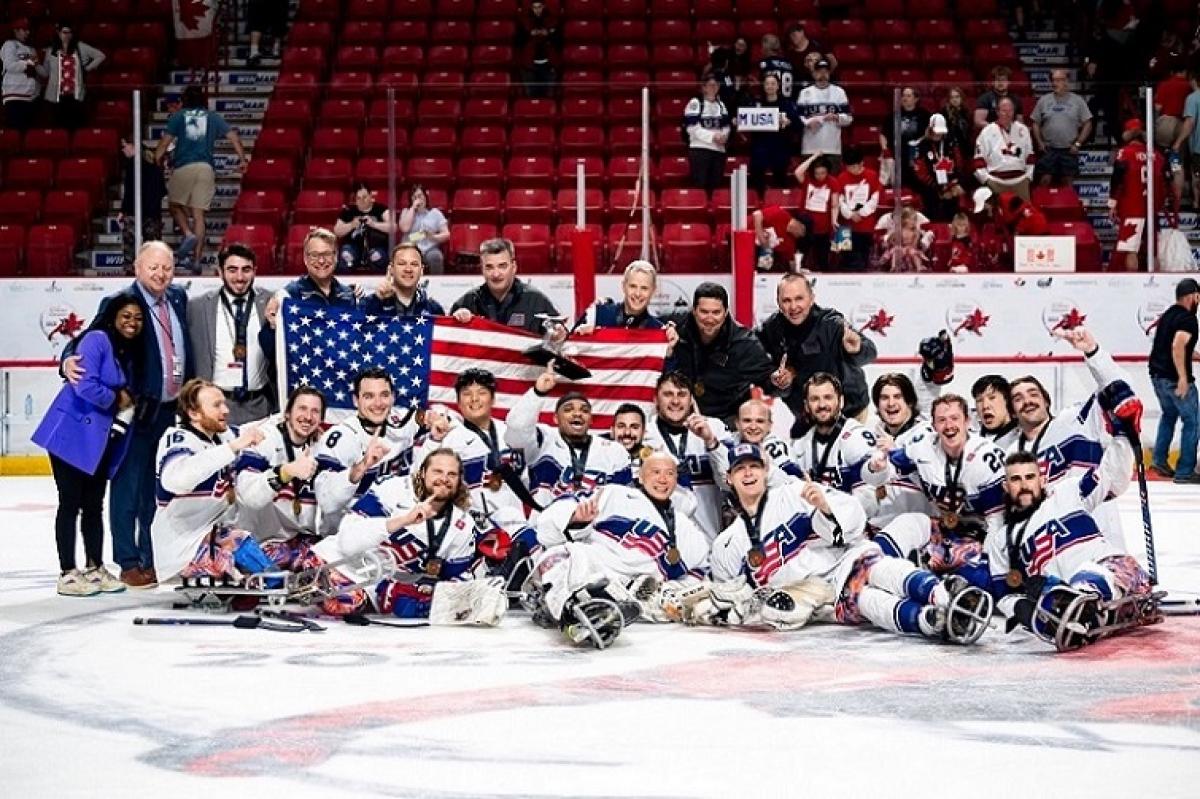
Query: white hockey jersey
x=903, y=494
x=344, y=445
x=556, y=468
x=1004, y=156
x=194, y=491
x=631, y=535
x=270, y=512
x=837, y=460
x=1073, y=441
x=483, y=453
x=793, y=540
x=814, y=103
x=977, y=478
x=780, y=464
x=695, y=466
x=450, y=537
x=1063, y=536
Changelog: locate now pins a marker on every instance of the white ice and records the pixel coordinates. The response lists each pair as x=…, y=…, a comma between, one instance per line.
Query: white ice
x=91, y=705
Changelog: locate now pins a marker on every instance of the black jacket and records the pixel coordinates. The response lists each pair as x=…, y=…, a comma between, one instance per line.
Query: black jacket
x=723, y=371
x=814, y=346
x=519, y=309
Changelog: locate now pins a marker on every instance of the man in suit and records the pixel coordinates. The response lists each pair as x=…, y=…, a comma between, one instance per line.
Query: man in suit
x=223, y=327
x=168, y=364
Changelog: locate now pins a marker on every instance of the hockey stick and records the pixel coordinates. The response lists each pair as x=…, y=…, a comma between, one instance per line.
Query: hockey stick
x=1144, y=496
x=361, y=620
x=241, y=623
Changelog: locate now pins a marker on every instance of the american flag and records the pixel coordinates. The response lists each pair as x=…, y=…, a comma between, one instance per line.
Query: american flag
x=772, y=561
x=325, y=347
x=1043, y=551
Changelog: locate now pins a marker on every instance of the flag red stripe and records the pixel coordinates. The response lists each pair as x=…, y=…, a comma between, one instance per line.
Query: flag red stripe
x=481, y=352
x=622, y=393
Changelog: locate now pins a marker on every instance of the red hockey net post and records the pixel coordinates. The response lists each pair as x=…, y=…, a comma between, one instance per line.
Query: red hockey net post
x=583, y=247
x=742, y=246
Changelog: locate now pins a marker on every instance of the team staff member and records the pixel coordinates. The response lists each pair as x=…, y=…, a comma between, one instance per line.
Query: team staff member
x=503, y=298
x=1174, y=384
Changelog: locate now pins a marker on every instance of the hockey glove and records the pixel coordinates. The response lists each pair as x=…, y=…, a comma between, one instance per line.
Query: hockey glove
x=937, y=359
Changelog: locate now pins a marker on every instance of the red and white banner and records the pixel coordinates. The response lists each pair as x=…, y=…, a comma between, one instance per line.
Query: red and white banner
x=194, y=19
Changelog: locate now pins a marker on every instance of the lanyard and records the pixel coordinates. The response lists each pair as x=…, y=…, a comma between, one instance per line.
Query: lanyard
x=953, y=493
x=238, y=321
x=754, y=524
x=1014, y=545
x=667, y=512
x=819, y=464
x=578, y=460
x=1037, y=442
x=490, y=440
x=435, y=539
x=677, y=450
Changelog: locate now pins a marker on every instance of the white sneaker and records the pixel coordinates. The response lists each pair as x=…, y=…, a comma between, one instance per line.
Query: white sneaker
x=75, y=584
x=103, y=579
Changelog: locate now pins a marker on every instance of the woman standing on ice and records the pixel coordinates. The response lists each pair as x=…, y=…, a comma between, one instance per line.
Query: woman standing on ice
x=84, y=432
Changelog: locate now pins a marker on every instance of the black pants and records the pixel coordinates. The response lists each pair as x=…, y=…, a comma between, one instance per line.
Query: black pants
x=707, y=168
x=68, y=113
x=80, y=497
x=19, y=114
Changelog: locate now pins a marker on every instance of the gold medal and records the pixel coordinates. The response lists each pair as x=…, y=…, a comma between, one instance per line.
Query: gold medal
x=950, y=520
x=672, y=556
x=1013, y=578
x=698, y=389
x=755, y=558
x=239, y=352
x=645, y=452
x=433, y=567
x=493, y=481
x=296, y=506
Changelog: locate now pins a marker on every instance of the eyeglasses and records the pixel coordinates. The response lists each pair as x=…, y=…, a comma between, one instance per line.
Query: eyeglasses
x=319, y=257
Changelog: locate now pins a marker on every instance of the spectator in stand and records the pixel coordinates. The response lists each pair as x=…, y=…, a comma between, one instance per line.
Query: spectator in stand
x=774, y=62
x=802, y=339
x=194, y=130
x=987, y=105
x=503, y=298
x=539, y=46
x=962, y=257
x=1170, y=97
x=1174, y=384
x=939, y=170
x=824, y=110
x=858, y=204
x=66, y=62
x=780, y=235
x=740, y=64
x=21, y=73
x=402, y=294
x=154, y=189
x=914, y=122
x=805, y=53
x=85, y=433
x=771, y=151
x=819, y=191
x=1127, y=192
x=1060, y=123
x=733, y=86
x=958, y=120
x=363, y=226
x=1188, y=139
x=1011, y=215
x=907, y=250
x=265, y=18
x=425, y=227
x=1004, y=153
x=707, y=121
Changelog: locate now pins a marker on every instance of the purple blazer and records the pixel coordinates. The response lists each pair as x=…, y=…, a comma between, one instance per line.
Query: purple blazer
x=77, y=424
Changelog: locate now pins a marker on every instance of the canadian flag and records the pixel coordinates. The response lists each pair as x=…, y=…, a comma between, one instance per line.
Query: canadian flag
x=194, y=19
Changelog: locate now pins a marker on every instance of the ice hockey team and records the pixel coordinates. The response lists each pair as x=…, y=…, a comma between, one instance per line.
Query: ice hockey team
x=927, y=521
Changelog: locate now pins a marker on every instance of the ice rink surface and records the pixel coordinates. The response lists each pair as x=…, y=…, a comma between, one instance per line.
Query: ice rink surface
x=91, y=705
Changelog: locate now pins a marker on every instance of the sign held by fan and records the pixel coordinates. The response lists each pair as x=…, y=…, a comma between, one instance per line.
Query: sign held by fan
x=1044, y=254
x=751, y=120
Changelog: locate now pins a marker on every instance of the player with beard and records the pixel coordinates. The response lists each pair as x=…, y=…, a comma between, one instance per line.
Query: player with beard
x=192, y=533
x=754, y=427
x=1073, y=441
x=621, y=543
x=566, y=459
x=274, y=480
x=900, y=424
x=359, y=450
x=629, y=429
x=1051, y=567
x=994, y=411
x=423, y=520
x=961, y=474
x=835, y=448
x=808, y=543
x=678, y=428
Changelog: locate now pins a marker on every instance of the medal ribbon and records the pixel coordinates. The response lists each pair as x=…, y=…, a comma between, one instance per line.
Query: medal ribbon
x=1013, y=546
x=241, y=320
x=754, y=524
x=435, y=539
x=296, y=483
x=817, y=471
x=952, y=490
x=578, y=460
x=665, y=428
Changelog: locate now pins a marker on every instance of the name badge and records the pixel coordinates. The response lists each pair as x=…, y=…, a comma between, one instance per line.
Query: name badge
x=177, y=368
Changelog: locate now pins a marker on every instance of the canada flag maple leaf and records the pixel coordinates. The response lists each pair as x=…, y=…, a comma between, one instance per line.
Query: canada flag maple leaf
x=880, y=322
x=68, y=326
x=191, y=12
x=1070, y=320
x=973, y=322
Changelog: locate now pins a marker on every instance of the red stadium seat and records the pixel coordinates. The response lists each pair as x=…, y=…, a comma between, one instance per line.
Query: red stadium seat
x=584, y=31
x=937, y=29
x=328, y=173
x=450, y=31
x=477, y=205
x=481, y=170
x=583, y=56
x=581, y=140
x=532, y=110
x=897, y=54
x=528, y=206
x=270, y=173
x=1059, y=203
x=784, y=198
x=439, y=111
x=938, y=54
x=754, y=28
x=566, y=204
x=490, y=83
x=625, y=108
x=456, y=9
x=29, y=173
x=670, y=30
x=593, y=170
x=12, y=248
x=47, y=143
x=443, y=83
x=846, y=31
x=801, y=9
x=412, y=8
x=466, y=238
x=491, y=56
x=261, y=207
x=685, y=205
x=259, y=238
x=673, y=171
x=317, y=207
x=296, y=84
x=280, y=142
x=100, y=142
x=533, y=246
x=403, y=56
x=402, y=31
x=50, y=250
x=434, y=140
x=722, y=206
x=584, y=9
x=674, y=55
x=581, y=109
x=334, y=141
x=303, y=59
x=375, y=141
x=625, y=30
x=986, y=55
x=343, y=111
x=687, y=248
x=448, y=55
x=373, y=10
x=430, y=170
x=10, y=142
x=933, y=9
x=485, y=140
x=20, y=206
x=87, y=174
x=674, y=9
x=533, y=140
x=626, y=8
x=320, y=9
x=627, y=56
x=374, y=171
x=624, y=244
x=67, y=207
x=310, y=33
x=883, y=8
x=854, y=54
x=564, y=244
x=885, y=31
x=622, y=203
x=531, y=170
x=710, y=29
x=714, y=9
x=624, y=170
x=496, y=9
x=978, y=29
x=495, y=31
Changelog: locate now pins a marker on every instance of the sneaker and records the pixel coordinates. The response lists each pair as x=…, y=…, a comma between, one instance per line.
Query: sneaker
x=75, y=584
x=1162, y=471
x=103, y=579
x=1187, y=479
x=139, y=578
x=186, y=247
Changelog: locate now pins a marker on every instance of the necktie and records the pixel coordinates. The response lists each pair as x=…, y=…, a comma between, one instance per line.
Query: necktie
x=240, y=322
x=170, y=378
